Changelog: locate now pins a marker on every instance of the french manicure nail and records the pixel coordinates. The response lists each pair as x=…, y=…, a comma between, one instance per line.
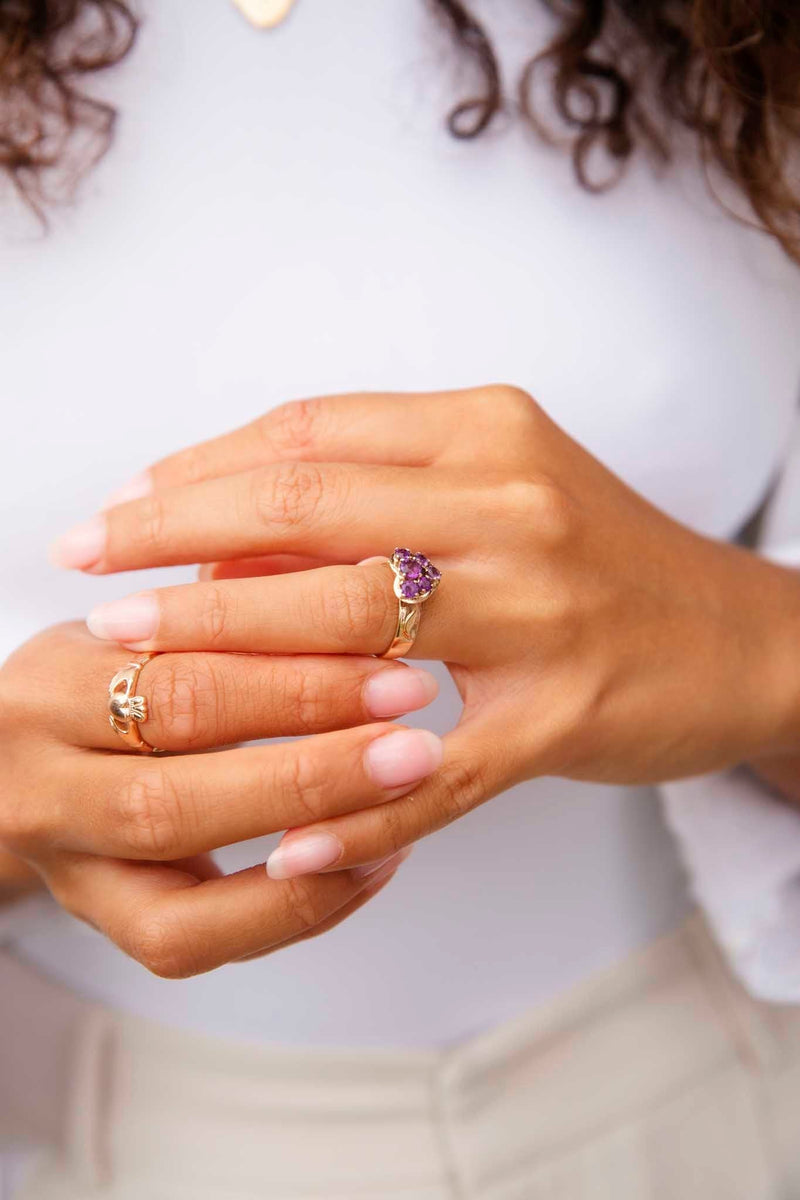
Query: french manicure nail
x=303, y=855
x=82, y=547
x=396, y=690
x=132, y=619
x=134, y=489
x=403, y=757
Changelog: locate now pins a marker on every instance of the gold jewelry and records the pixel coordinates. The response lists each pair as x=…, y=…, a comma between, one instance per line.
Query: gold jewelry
x=125, y=709
x=415, y=581
x=265, y=14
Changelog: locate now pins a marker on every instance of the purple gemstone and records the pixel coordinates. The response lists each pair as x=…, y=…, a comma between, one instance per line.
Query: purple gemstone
x=424, y=585
x=433, y=571
x=401, y=552
x=410, y=589
x=413, y=570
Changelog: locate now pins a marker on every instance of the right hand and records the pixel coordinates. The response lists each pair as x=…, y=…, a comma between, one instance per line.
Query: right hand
x=122, y=839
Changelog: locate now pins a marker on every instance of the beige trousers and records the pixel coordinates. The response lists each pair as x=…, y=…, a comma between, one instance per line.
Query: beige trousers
x=660, y=1080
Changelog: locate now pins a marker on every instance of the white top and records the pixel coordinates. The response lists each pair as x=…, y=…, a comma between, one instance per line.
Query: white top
x=284, y=214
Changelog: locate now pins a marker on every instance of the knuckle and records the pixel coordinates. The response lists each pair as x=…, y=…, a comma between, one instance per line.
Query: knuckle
x=214, y=615
x=552, y=515
x=147, y=530
x=25, y=685
x=308, y=699
x=514, y=402
x=299, y=778
x=290, y=495
x=160, y=943
x=189, y=466
x=393, y=831
x=540, y=508
x=184, y=696
x=145, y=811
x=557, y=615
x=292, y=429
x=357, y=610
x=304, y=910
x=460, y=788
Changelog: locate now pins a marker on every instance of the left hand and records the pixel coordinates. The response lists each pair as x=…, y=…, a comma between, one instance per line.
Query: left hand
x=590, y=635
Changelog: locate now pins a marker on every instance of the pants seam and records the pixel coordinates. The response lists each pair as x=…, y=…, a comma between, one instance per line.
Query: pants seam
x=444, y=1125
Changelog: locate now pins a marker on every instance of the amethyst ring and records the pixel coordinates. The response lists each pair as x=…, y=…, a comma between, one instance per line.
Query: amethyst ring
x=415, y=581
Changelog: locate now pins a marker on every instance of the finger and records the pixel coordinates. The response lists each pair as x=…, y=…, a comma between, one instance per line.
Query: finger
x=178, y=927
x=379, y=877
x=146, y=807
x=400, y=429
x=331, y=510
x=478, y=763
x=199, y=701
x=333, y=610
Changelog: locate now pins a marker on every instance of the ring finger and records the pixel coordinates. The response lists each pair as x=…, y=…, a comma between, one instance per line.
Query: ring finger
x=331, y=610
x=197, y=701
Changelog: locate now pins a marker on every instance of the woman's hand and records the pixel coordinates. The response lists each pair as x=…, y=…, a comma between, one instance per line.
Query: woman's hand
x=590, y=635
x=121, y=838
x=16, y=878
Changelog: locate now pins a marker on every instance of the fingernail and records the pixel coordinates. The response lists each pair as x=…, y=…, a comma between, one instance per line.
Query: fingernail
x=132, y=619
x=390, y=862
x=396, y=690
x=303, y=855
x=403, y=757
x=82, y=547
x=134, y=489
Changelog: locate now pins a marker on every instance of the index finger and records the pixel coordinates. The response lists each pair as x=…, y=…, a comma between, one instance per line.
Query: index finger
x=177, y=926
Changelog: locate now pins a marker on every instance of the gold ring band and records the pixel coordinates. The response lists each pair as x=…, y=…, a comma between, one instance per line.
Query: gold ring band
x=125, y=709
x=415, y=581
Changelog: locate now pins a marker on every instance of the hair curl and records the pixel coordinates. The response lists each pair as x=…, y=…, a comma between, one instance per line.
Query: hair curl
x=51, y=128
x=621, y=73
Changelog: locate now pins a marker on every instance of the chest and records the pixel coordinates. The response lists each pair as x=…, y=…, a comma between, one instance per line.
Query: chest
x=284, y=215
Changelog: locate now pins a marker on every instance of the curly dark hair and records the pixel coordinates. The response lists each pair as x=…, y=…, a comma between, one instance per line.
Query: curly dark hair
x=621, y=74
x=51, y=128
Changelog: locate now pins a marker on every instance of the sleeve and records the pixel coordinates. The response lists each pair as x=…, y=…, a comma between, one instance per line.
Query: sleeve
x=740, y=842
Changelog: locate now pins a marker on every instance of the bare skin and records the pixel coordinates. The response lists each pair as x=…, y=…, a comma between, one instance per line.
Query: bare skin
x=122, y=840
x=590, y=635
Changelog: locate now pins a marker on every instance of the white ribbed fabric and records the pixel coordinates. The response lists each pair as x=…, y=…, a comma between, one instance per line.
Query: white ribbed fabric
x=659, y=1080
x=285, y=215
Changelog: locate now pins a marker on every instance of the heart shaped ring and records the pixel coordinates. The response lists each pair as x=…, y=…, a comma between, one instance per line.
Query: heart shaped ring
x=415, y=581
